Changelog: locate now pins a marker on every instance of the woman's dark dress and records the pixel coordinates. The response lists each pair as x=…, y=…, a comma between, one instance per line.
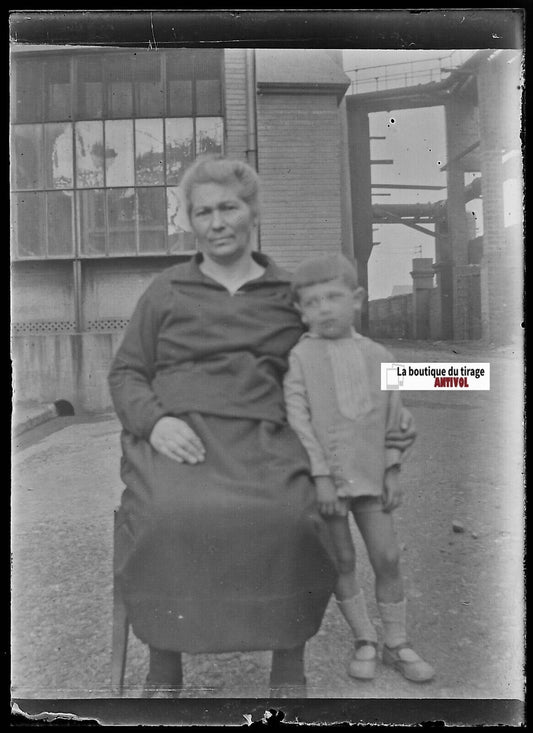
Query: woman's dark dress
x=228, y=554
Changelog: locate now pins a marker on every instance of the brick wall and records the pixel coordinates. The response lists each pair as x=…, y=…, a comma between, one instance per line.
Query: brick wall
x=467, y=302
x=300, y=167
x=435, y=314
x=499, y=120
x=235, y=96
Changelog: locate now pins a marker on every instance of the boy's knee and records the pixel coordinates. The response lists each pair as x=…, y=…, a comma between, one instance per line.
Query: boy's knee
x=346, y=562
x=388, y=561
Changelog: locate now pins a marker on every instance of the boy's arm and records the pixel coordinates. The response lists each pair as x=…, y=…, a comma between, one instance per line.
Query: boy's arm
x=401, y=432
x=299, y=416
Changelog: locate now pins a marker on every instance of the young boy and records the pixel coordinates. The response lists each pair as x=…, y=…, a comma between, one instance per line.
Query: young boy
x=352, y=432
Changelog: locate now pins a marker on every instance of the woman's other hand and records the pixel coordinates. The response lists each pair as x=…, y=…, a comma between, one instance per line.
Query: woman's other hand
x=174, y=438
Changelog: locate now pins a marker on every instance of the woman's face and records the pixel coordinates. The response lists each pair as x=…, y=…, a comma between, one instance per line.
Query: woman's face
x=222, y=221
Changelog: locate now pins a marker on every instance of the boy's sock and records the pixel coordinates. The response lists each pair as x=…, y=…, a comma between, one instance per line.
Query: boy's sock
x=355, y=612
x=393, y=617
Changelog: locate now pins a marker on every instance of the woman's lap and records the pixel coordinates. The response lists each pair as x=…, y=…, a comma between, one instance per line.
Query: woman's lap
x=237, y=536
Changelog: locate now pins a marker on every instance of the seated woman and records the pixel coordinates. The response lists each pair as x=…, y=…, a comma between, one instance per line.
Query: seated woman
x=219, y=543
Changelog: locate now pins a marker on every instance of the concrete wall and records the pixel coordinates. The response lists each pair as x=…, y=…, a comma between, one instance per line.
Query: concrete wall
x=73, y=367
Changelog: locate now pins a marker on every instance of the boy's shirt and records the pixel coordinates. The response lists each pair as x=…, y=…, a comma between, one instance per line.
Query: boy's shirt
x=336, y=406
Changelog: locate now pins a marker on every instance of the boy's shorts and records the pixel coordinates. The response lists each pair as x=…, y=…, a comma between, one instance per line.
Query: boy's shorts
x=359, y=505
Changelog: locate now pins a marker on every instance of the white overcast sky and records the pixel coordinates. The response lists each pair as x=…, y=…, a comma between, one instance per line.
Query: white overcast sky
x=415, y=141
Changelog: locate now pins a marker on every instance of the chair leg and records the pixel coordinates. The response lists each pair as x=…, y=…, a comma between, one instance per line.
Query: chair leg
x=120, y=630
x=119, y=642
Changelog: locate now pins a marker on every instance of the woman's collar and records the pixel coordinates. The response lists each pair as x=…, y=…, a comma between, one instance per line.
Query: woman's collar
x=190, y=271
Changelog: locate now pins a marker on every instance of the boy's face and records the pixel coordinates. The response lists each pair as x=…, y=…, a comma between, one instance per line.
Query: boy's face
x=328, y=309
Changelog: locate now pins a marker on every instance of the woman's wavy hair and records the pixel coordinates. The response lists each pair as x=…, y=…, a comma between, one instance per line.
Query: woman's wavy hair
x=216, y=168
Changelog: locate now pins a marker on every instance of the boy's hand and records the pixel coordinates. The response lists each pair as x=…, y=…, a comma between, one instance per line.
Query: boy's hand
x=392, y=492
x=404, y=437
x=326, y=495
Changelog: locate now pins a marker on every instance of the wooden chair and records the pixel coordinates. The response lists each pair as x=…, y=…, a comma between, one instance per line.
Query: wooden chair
x=119, y=650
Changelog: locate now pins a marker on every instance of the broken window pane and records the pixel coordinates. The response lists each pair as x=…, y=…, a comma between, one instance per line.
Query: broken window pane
x=119, y=153
x=149, y=152
x=89, y=154
x=58, y=155
x=179, y=148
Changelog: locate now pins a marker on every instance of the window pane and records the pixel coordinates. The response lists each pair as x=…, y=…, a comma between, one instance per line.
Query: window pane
x=179, y=147
x=29, y=224
x=119, y=85
x=207, y=63
x=58, y=90
x=58, y=155
x=29, y=90
x=149, y=93
x=90, y=87
x=179, y=80
x=151, y=216
x=119, y=153
x=26, y=165
x=121, y=220
x=60, y=233
x=209, y=135
x=91, y=219
x=149, y=152
x=208, y=97
x=89, y=154
x=179, y=240
x=208, y=82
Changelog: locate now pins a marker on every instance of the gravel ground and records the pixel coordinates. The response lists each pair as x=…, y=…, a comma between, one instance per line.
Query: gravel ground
x=465, y=588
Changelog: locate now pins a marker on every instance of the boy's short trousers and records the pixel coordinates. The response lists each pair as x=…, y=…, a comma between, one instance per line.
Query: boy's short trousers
x=359, y=505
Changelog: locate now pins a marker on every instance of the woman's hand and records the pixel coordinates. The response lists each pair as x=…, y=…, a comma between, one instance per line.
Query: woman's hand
x=174, y=438
x=392, y=492
x=326, y=494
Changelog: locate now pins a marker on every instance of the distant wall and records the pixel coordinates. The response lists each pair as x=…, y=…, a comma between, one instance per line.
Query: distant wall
x=394, y=317
x=391, y=317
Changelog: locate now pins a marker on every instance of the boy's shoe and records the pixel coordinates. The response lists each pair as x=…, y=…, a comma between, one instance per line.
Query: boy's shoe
x=408, y=662
x=363, y=664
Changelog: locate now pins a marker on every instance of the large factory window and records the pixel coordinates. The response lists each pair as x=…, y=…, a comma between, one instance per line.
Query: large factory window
x=99, y=144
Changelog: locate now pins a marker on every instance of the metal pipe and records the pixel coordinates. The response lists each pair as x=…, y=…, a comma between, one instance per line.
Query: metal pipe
x=251, y=131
